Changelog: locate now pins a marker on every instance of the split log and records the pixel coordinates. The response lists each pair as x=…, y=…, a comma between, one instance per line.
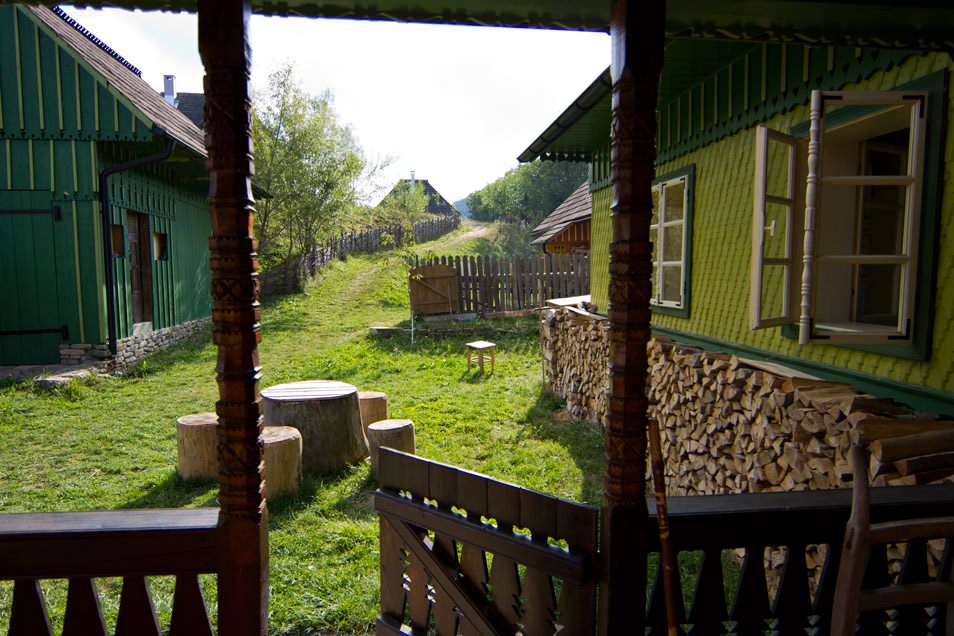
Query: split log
x=197, y=446
x=396, y=434
x=327, y=415
x=869, y=429
x=374, y=408
x=282, y=459
x=906, y=446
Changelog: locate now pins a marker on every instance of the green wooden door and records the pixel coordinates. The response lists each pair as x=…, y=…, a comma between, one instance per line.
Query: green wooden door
x=30, y=325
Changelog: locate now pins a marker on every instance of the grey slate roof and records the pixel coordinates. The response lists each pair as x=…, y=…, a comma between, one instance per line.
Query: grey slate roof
x=576, y=207
x=192, y=106
x=118, y=76
x=436, y=203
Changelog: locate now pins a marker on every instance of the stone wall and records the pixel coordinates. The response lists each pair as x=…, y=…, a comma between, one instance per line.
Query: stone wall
x=132, y=349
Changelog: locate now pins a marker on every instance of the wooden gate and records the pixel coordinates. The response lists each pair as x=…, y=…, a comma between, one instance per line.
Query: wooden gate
x=435, y=289
x=439, y=528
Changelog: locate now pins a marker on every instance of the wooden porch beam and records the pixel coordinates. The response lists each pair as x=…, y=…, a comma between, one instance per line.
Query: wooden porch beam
x=637, y=32
x=243, y=522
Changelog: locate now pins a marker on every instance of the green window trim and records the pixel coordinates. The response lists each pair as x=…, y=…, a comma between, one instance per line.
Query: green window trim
x=689, y=173
x=919, y=348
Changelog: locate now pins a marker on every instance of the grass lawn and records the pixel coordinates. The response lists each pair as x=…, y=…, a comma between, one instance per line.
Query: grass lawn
x=109, y=443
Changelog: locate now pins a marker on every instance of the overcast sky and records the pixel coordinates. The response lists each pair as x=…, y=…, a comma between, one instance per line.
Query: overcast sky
x=454, y=104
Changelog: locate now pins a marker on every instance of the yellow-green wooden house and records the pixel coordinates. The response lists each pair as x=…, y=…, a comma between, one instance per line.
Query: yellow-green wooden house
x=849, y=279
x=75, y=115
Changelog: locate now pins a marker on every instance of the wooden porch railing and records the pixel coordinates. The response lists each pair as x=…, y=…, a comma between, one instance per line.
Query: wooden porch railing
x=81, y=546
x=463, y=553
x=434, y=560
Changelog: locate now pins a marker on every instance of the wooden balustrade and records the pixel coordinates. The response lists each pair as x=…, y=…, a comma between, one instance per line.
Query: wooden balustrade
x=81, y=546
x=464, y=552
x=434, y=557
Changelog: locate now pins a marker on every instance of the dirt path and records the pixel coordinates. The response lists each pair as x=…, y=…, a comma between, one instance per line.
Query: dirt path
x=477, y=230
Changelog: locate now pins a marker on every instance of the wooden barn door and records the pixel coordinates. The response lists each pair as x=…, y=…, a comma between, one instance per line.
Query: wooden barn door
x=30, y=326
x=140, y=266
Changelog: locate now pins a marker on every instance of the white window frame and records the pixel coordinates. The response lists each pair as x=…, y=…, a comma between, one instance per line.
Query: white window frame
x=662, y=187
x=809, y=329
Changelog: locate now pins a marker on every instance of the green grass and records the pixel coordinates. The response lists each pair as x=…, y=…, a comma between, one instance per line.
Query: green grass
x=109, y=443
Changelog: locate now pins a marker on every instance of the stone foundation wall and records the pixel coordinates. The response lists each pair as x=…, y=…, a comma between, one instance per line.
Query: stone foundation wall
x=132, y=349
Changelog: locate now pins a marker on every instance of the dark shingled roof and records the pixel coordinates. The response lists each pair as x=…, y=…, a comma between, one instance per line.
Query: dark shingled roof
x=120, y=77
x=576, y=207
x=192, y=105
x=436, y=204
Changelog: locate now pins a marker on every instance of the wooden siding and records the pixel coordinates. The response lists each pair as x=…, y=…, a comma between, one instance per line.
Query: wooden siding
x=601, y=234
x=574, y=238
x=765, y=80
x=46, y=93
x=723, y=225
x=180, y=282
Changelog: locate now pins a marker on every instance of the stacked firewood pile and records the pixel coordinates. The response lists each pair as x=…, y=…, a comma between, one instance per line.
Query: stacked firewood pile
x=575, y=348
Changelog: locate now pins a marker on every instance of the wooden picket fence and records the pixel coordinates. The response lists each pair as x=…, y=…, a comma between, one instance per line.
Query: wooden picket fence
x=489, y=285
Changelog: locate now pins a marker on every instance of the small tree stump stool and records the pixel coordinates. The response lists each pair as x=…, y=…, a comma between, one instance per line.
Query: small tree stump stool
x=197, y=446
x=326, y=413
x=476, y=351
x=396, y=434
x=282, y=459
x=373, y=406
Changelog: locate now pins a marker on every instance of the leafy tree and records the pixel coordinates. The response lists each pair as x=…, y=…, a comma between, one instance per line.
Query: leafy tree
x=403, y=205
x=527, y=193
x=309, y=163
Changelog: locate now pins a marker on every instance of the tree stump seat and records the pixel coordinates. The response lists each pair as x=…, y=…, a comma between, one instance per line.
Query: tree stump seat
x=327, y=415
x=282, y=459
x=374, y=408
x=396, y=434
x=197, y=446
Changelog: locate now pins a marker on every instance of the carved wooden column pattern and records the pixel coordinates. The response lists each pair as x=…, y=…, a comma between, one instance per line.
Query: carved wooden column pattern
x=243, y=540
x=637, y=33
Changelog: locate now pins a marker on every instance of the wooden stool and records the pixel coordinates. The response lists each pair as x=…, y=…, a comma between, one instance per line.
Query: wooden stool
x=282, y=459
x=476, y=350
x=373, y=406
x=396, y=434
x=197, y=446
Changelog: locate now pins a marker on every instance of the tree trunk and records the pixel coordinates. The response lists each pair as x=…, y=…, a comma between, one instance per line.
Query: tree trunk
x=282, y=459
x=396, y=434
x=327, y=415
x=374, y=408
x=197, y=446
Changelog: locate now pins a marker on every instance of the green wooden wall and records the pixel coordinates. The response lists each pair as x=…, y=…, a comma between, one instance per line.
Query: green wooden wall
x=59, y=126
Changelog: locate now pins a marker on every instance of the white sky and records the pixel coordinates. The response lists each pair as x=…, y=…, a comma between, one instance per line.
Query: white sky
x=454, y=104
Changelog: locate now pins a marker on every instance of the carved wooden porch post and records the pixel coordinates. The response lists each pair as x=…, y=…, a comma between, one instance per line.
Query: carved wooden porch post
x=637, y=33
x=243, y=524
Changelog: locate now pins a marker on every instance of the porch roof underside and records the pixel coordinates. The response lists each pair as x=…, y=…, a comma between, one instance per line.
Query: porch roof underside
x=888, y=23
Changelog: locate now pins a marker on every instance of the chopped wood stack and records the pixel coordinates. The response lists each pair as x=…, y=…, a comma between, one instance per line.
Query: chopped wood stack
x=575, y=349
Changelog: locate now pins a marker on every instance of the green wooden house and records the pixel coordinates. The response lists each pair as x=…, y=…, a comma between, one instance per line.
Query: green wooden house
x=849, y=280
x=78, y=283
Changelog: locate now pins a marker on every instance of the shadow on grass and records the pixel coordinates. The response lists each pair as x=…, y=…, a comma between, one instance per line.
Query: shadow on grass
x=584, y=442
x=175, y=492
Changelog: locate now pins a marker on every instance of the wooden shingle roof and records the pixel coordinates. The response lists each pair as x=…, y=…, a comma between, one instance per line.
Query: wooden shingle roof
x=576, y=207
x=122, y=79
x=436, y=203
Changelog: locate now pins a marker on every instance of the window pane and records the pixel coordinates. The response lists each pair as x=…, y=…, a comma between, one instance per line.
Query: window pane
x=672, y=283
x=878, y=294
x=675, y=200
x=672, y=243
x=779, y=169
x=775, y=243
x=655, y=281
x=653, y=235
x=773, y=291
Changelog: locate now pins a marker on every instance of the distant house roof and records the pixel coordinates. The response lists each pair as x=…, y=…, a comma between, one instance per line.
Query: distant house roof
x=436, y=203
x=192, y=105
x=123, y=78
x=576, y=207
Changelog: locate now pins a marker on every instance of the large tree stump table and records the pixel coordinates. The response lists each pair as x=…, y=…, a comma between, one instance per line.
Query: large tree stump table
x=326, y=413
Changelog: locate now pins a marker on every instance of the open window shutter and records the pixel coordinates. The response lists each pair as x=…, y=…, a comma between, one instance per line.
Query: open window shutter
x=909, y=177
x=773, y=216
